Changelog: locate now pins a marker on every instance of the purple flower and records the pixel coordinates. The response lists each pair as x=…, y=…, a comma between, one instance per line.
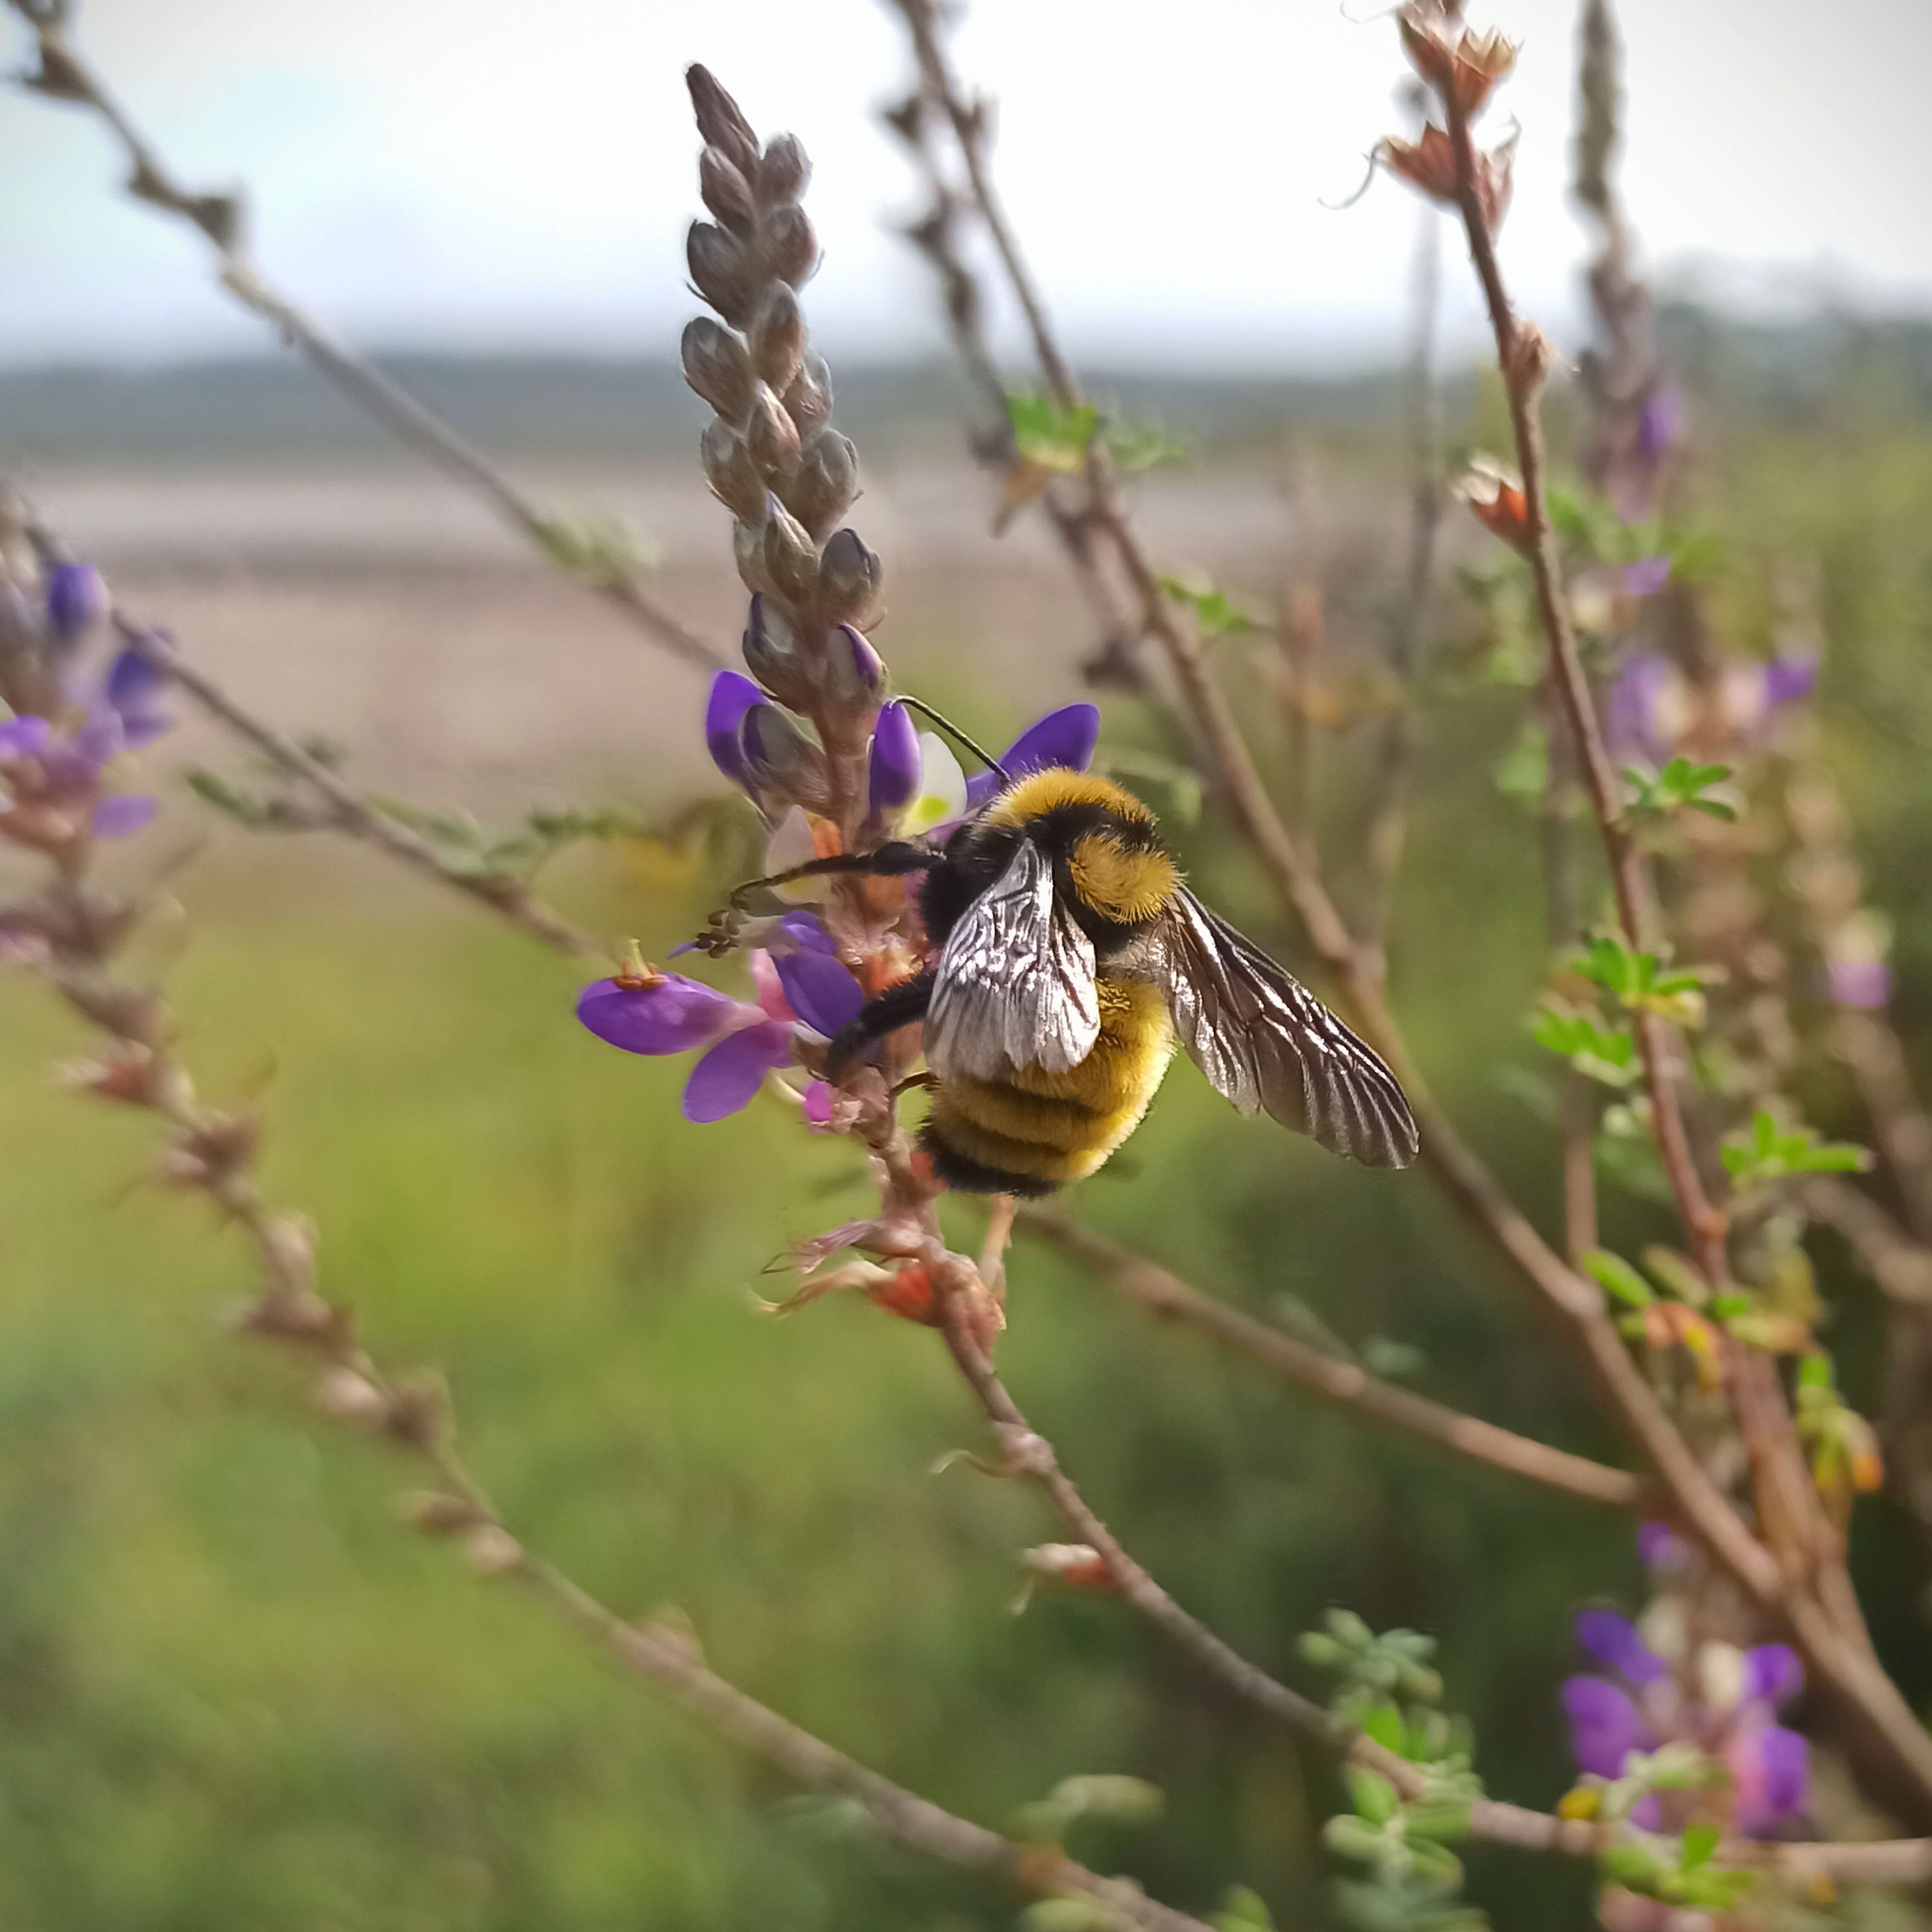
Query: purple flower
x=132, y=687
x=1659, y=422
x=1773, y=1675
x=1770, y=1778
x=1652, y=711
x=866, y=662
x=1658, y=1546
x=732, y=693
x=1646, y=577
x=1604, y=1727
x=1612, y=1640
x=76, y=600
x=659, y=1013
x=1065, y=737
x=892, y=765
x=1859, y=982
x=1634, y=720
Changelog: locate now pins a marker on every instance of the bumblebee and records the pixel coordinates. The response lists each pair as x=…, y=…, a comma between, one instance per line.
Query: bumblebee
x=1067, y=960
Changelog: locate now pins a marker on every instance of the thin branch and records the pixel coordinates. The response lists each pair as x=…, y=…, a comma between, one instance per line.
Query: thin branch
x=1896, y=1261
x=64, y=76
x=351, y=814
x=1165, y=1296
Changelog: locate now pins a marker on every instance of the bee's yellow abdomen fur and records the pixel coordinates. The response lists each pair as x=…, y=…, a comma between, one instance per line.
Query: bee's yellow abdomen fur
x=1046, y=1128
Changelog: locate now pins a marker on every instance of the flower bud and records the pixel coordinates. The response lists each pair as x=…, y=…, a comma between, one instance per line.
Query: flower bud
x=851, y=674
x=437, y=1513
x=781, y=762
x=808, y=401
x=867, y=664
x=418, y=1411
x=787, y=247
x=721, y=271
x=725, y=191
x=76, y=600
x=343, y=1395
x=717, y=367
x=732, y=695
x=1079, y=1565
x=720, y=121
x=1496, y=499
x=771, y=437
x=892, y=765
x=783, y=170
x=728, y=468
x=778, y=338
x=848, y=581
x=492, y=1551
x=771, y=649
x=826, y=483
x=789, y=556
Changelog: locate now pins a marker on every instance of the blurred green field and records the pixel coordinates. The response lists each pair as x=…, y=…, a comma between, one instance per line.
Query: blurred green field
x=234, y=1695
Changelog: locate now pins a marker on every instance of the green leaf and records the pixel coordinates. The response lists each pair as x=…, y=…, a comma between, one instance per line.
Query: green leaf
x=1136, y=447
x=1215, y=614
x=1383, y=1722
x=1814, y=1372
x=1243, y=1911
x=1700, y=1842
x=1068, y=1913
x=1615, y=1276
x=1051, y=437
x=1376, y=1800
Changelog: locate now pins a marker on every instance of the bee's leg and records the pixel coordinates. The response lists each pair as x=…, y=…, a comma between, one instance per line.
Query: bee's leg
x=896, y=1006
x=889, y=862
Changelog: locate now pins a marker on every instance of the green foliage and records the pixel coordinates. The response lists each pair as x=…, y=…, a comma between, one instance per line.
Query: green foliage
x=1618, y=1279
x=1136, y=446
x=1605, y=1053
x=1106, y=1796
x=601, y=549
x=1680, y=786
x=1767, y=1151
x=1178, y=786
x=1640, y=981
x=1215, y=614
x=1048, y=436
x=1522, y=772
x=1243, y=1911
x=1677, y=1872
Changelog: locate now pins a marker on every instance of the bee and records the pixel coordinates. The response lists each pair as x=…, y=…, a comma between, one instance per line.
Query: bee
x=1067, y=959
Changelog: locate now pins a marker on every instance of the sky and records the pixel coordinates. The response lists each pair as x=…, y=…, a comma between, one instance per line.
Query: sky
x=499, y=174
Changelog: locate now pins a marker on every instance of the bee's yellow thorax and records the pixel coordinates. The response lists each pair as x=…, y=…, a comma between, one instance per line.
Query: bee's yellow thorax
x=1040, y=792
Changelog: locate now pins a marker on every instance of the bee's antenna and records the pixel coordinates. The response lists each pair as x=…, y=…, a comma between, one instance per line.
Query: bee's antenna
x=946, y=725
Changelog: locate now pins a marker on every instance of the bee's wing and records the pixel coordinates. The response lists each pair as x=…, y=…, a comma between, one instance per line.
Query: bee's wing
x=1015, y=983
x=1266, y=1042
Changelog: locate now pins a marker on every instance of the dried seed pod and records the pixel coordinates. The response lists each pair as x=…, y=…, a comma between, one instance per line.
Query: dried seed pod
x=720, y=121
x=725, y=191
x=343, y=1395
x=782, y=172
x=826, y=483
x=789, y=555
x=808, y=401
x=419, y=1410
x=781, y=762
x=437, y=1513
x=848, y=581
x=721, y=271
x=730, y=470
x=492, y=1551
x=777, y=339
x=786, y=246
x=717, y=367
x=771, y=437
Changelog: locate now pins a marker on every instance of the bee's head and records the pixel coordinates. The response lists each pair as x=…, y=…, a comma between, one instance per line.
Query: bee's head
x=1106, y=844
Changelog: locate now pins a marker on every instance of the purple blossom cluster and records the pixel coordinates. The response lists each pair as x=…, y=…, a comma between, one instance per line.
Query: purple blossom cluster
x=1722, y=1701
x=1653, y=712
x=57, y=750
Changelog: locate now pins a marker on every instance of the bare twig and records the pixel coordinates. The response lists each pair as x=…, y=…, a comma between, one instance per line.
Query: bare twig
x=63, y=75
x=353, y=814
x=1164, y=1295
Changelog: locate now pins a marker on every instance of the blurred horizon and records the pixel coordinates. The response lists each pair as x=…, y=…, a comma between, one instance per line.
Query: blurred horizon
x=430, y=177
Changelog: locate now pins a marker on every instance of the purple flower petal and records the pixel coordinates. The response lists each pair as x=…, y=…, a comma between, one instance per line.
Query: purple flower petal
x=76, y=599
x=25, y=737
x=724, y=1080
x=133, y=689
x=1646, y=577
x=806, y=931
x=1790, y=679
x=818, y=1103
x=1066, y=737
x=1647, y=1814
x=732, y=693
x=820, y=990
x=866, y=661
x=1659, y=422
x=1859, y=982
x=893, y=766
x=671, y=1016
x=98, y=740
x=1604, y=1727
x=1771, y=1776
x=116, y=817
x=1657, y=1546
x=1611, y=1639
x=1772, y=1674
x=1630, y=721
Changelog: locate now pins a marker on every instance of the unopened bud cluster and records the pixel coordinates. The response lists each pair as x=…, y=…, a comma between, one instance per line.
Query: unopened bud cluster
x=787, y=476
x=1462, y=68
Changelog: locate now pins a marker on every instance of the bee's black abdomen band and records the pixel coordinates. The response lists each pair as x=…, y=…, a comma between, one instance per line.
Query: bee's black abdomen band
x=967, y=1176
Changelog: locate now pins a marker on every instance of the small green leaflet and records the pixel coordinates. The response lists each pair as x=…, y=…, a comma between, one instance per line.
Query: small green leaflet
x=1681, y=784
